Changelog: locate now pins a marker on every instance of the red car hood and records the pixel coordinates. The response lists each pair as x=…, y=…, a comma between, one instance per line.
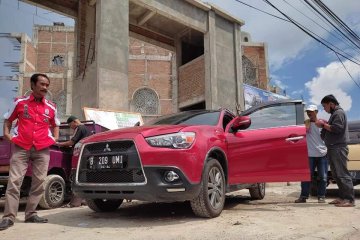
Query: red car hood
x=146, y=131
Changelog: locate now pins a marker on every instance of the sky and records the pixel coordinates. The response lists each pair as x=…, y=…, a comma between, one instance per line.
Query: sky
x=304, y=68
x=298, y=64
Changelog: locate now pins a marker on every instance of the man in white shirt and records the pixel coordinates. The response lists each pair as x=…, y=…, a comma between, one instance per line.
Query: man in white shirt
x=316, y=152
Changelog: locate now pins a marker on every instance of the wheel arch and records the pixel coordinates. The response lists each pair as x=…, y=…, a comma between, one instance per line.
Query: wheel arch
x=219, y=155
x=58, y=171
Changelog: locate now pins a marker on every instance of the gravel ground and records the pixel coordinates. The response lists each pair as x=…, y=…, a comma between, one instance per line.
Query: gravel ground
x=274, y=217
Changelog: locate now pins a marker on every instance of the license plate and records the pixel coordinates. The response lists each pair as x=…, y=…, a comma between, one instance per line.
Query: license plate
x=107, y=162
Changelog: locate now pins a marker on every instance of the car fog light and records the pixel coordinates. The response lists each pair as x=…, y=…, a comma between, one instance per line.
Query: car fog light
x=171, y=176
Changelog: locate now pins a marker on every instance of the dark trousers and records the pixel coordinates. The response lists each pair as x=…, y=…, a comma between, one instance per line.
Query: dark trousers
x=338, y=163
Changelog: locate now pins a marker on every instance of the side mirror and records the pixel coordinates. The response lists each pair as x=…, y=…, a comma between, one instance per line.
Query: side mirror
x=240, y=123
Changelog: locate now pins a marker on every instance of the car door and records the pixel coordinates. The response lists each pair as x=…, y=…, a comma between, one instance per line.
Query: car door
x=272, y=149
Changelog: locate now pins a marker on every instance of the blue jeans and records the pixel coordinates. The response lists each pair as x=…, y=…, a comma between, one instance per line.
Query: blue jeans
x=321, y=164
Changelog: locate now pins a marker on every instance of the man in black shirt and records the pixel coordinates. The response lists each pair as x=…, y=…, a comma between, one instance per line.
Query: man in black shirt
x=80, y=132
x=336, y=137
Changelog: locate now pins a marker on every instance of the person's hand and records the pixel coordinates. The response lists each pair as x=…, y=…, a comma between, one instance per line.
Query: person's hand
x=8, y=137
x=320, y=123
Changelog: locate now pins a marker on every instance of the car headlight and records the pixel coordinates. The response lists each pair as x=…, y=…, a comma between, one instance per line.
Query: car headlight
x=174, y=140
x=77, y=149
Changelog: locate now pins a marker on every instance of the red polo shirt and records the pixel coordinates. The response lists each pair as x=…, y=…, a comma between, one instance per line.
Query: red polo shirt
x=35, y=118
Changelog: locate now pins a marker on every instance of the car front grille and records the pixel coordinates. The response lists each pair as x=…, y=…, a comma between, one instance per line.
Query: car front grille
x=131, y=172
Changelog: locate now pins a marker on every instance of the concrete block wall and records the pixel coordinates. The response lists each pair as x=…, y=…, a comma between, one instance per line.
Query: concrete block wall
x=192, y=82
x=225, y=66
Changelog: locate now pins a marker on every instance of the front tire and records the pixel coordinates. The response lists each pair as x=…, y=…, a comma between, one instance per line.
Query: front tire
x=104, y=205
x=258, y=191
x=211, y=199
x=54, y=193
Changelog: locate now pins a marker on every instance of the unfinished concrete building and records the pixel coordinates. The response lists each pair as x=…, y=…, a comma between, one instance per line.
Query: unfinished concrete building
x=201, y=41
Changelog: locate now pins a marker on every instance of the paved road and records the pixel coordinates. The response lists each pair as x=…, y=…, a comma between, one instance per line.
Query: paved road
x=275, y=217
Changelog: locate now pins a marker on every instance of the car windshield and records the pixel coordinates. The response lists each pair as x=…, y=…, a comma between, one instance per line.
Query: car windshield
x=188, y=118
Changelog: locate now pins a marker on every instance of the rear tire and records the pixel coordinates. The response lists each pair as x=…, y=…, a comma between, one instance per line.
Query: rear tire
x=258, y=191
x=104, y=205
x=210, y=201
x=54, y=193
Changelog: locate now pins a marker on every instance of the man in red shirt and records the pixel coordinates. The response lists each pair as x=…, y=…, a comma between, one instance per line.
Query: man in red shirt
x=36, y=116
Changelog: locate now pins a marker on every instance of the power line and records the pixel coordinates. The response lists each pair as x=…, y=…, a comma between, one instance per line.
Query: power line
x=327, y=30
x=337, y=20
x=347, y=71
x=306, y=30
x=332, y=24
x=263, y=11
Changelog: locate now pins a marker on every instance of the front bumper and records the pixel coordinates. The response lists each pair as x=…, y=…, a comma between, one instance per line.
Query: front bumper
x=154, y=189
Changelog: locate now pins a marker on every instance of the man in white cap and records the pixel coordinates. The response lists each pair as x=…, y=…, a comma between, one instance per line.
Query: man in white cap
x=316, y=152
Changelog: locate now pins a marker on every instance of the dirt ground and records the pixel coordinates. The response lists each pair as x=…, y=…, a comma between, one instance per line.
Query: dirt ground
x=274, y=217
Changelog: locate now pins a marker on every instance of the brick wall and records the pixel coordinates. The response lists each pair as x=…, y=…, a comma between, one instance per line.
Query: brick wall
x=150, y=67
x=56, y=85
x=30, y=56
x=192, y=81
x=53, y=42
x=257, y=55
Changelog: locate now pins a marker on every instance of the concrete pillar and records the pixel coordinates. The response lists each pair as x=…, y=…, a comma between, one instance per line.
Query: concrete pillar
x=175, y=62
x=210, y=63
x=112, y=53
x=69, y=84
x=238, y=68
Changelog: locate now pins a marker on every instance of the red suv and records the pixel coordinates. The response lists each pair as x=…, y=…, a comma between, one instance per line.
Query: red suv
x=195, y=156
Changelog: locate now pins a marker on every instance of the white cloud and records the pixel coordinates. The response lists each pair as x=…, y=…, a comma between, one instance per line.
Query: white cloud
x=280, y=84
x=275, y=80
x=333, y=79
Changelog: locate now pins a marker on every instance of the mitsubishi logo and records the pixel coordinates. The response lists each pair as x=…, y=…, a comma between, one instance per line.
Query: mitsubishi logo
x=107, y=148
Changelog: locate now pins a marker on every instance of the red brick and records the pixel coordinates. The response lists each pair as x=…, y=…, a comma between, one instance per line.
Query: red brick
x=192, y=80
x=44, y=36
x=59, y=37
x=58, y=48
x=44, y=48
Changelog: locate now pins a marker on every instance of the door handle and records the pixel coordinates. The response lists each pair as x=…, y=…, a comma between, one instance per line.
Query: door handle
x=291, y=139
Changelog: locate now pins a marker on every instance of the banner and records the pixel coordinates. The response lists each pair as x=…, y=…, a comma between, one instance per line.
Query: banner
x=253, y=96
x=113, y=119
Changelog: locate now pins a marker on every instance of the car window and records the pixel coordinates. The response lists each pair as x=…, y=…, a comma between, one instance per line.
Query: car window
x=274, y=116
x=226, y=120
x=188, y=118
